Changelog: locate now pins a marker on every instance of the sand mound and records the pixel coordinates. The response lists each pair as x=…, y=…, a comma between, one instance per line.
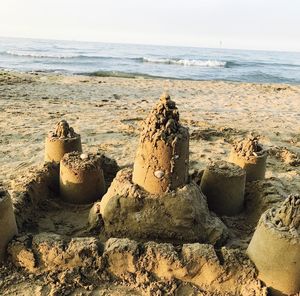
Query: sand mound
x=62, y=130
x=180, y=216
x=286, y=156
x=286, y=218
x=248, y=147
x=163, y=120
x=61, y=141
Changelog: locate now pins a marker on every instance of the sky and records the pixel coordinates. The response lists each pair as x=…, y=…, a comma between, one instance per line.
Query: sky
x=244, y=24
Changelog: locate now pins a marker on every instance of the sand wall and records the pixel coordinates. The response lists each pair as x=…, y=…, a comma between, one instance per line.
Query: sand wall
x=142, y=264
x=31, y=190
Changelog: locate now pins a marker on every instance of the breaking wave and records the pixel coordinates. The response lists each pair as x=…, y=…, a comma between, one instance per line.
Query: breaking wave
x=187, y=62
x=40, y=55
x=183, y=62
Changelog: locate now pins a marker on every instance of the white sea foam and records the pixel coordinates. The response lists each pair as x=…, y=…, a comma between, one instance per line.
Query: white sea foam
x=40, y=55
x=187, y=62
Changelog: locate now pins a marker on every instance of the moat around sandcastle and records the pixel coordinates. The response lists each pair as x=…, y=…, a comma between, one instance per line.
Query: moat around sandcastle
x=154, y=223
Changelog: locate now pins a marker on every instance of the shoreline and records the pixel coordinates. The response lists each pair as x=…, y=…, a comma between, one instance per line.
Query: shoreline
x=137, y=75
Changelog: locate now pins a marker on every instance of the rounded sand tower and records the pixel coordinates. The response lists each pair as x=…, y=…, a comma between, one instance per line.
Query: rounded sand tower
x=63, y=140
x=81, y=178
x=8, y=226
x=250, y=155
x=161, y=162
x=223, y=184
x=165, y=205
x=275, y=247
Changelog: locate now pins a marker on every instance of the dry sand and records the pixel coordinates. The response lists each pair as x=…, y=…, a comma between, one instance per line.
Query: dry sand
x=107, y=113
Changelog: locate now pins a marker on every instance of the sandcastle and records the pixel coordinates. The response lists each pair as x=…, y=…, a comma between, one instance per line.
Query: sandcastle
x=251, y=156
x=81, y=178
x=8, y=226
x=223, y=183
x=153, y=225
x=156, y=200
x=275, y=247
x=61, y=141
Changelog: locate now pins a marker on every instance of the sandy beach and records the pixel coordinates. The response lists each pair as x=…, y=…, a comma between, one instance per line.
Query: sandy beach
x=107, y=112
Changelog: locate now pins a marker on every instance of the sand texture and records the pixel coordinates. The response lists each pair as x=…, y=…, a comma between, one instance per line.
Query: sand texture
x=287, y=216
x=62, y=130
x=223, y=184
x=162, y=158
x=58, y=253
x=80, y=161
x=275, y=247
x=225, y=168
x=248, y=147
x=178, y=216
x=60, y=141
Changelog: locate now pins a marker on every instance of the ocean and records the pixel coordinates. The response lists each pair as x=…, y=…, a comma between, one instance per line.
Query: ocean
x=130, y=60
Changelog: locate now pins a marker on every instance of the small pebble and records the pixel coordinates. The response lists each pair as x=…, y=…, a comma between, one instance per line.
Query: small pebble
x=159, y=174
x=223, y=166
x=84, y=156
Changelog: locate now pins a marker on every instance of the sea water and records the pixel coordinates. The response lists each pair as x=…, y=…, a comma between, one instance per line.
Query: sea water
x=131, y=60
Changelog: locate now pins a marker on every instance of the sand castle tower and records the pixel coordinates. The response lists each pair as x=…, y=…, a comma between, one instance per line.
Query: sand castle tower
x=275, y=247
x=223, y=184
x=250, y=155
x=155, y=200
x=81, y=178
x=62, y=140
x=8, y=226
x=162, y=157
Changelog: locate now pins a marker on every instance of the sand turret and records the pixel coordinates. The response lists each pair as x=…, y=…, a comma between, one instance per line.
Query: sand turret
x=164, y=205
x=162, y=157
x=250, y=155
x=275, y=247
x=8, y=226
x=81, y=178
x=223, y=184
x=60, y=141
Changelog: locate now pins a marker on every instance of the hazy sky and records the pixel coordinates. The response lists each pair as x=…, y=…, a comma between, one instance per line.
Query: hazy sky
x=251, y=24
